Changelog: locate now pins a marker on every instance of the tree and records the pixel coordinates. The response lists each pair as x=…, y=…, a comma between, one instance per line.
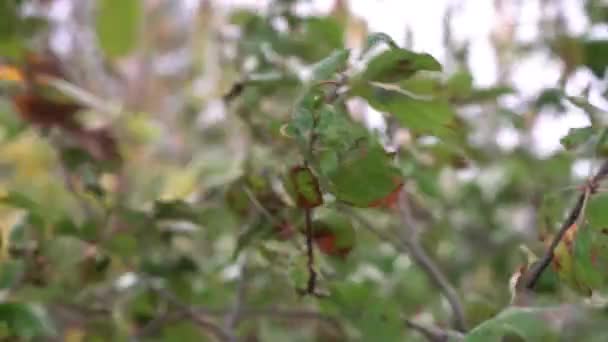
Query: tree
x=166, y=178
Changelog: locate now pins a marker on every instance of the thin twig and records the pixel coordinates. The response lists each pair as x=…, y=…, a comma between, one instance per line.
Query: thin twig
x=424, y=261
x=234, y=316
x=433, y=333
x=410, y=245
x=312, y=274
x=532, y=276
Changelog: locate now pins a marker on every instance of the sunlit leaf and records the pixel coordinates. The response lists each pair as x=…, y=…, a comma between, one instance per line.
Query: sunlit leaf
x=398, y=64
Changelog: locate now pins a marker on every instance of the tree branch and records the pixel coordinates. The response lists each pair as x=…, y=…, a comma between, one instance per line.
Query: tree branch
x=195, y=315
x=410, y=245
x=533, y=275
x=433, y=333
x=424, y=261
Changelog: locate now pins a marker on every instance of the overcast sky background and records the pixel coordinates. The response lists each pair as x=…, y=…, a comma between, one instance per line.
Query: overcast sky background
x=474, y=21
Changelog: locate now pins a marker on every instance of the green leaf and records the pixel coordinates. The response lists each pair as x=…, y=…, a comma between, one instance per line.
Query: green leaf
x=364, y=176
x=597, y=211
x=398, y=64
x=423, y=116
x=306, y=187
x=118, y=24
x=460, y=85
x=26, y=320
x=526, y=323
x=577, y=137
x=328, y=67
x=595, y=56
x=587, y=275
x=376, y=38
x=10, y=273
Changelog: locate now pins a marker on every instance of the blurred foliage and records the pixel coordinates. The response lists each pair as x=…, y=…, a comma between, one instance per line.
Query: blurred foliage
x=164, y=179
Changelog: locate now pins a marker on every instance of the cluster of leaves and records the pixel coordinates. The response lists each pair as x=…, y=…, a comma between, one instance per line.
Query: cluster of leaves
x=117, y=251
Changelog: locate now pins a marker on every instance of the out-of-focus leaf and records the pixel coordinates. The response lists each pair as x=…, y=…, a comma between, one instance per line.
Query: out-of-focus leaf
x=365, y=176
x=376, y=38
x=10, y=273
x=118, y=24
x=595, y=56
x=26, y=320
x=597, y=211
x=332, y=64
x=577, y=137
x=460, y=85
x=586, y=273
x=526, y=323
x=19, y=200
x=398, y=64
x=176, y=210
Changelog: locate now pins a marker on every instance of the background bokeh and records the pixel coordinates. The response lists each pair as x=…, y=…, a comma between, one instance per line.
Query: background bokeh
x=180, y=242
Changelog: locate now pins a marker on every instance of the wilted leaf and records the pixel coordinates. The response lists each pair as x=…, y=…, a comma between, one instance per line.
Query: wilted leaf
x=333, y=233
x=365, y=176
x=306, y=187
x=118, y=24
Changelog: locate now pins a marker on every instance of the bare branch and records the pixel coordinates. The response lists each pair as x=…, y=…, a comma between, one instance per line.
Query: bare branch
x=415, y=250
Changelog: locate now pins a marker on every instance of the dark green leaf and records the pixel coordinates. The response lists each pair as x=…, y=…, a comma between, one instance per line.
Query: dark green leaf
x=118, y=24
x=595, y=56
x=176, y=210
